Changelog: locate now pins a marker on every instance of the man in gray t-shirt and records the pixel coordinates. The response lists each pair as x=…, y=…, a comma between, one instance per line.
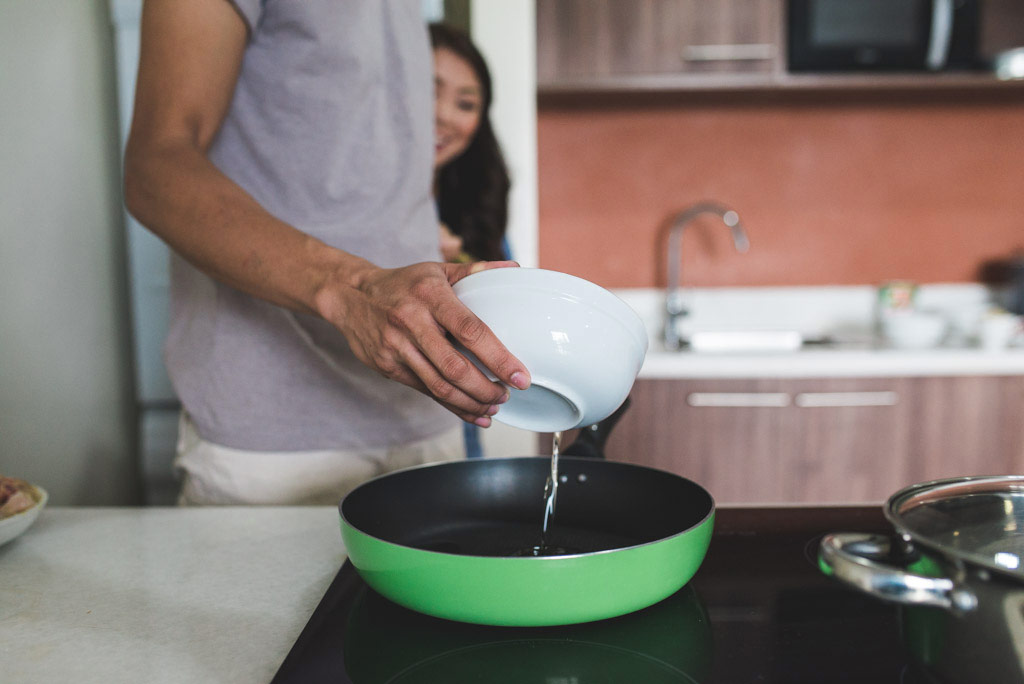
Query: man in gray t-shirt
x=283, y=150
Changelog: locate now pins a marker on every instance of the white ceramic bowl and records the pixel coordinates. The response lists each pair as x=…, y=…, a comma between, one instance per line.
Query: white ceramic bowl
x=914, y=329
x=13, y=526
x=582, y=345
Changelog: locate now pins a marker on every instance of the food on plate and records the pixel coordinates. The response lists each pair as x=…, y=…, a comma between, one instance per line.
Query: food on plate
x=16, y=496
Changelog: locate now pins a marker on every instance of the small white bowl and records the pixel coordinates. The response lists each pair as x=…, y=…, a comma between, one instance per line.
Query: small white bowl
x=915, y=329
x=582, y=345
x=14, y=525
x=1009, y=65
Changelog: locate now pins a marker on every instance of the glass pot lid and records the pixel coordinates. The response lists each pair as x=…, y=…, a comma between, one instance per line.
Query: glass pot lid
x=978, y=519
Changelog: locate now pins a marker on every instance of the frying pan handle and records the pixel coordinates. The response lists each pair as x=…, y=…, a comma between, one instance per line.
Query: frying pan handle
x=855, y=559
x=590, y=440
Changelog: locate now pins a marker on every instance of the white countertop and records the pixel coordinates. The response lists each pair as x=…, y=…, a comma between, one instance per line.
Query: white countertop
x=833, y=363
x=155, y=595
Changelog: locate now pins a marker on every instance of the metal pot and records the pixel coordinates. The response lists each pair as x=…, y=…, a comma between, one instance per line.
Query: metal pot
x=957, y=570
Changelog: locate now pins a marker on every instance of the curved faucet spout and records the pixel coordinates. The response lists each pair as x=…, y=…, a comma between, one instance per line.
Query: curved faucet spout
x=675, y=310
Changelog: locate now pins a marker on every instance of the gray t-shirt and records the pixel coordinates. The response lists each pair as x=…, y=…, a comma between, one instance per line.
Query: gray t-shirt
x=330, y=130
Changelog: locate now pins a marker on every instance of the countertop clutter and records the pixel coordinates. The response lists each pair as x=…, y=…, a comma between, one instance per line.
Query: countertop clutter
x=839, y=328
x=162, y=595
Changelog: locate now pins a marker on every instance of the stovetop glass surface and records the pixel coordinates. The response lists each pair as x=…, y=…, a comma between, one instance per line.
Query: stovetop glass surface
x=758, y=610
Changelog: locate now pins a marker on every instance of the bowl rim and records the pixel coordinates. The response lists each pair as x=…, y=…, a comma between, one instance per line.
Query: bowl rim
x=551, y=281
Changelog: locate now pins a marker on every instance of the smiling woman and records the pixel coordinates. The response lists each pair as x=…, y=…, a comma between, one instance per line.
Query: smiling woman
x=471, y=181
x=458, y=100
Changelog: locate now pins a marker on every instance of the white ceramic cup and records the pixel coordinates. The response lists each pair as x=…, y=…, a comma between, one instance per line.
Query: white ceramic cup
x=998, y=330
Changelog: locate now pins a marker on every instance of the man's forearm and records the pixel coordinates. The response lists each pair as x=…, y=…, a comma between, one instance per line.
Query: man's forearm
x=176, y=192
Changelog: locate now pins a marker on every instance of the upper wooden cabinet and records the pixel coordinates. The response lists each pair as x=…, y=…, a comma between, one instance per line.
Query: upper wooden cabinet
x=655, y=45
x=610, y=42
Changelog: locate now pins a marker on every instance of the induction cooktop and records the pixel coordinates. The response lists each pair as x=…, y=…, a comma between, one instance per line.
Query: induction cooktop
x=758, y=610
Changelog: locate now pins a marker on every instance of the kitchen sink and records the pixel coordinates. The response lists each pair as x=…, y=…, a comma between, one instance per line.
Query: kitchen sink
x=725, y=341
x=743, y=340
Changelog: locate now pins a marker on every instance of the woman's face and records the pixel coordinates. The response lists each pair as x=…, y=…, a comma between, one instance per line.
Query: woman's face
x=458, y=101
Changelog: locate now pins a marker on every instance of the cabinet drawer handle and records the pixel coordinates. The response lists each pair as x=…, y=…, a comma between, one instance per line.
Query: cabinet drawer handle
x=739, y=399
x=728, y=53
x=838, y=399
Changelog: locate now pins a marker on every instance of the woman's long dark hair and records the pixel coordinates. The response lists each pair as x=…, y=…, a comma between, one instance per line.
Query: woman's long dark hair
x=472, y=189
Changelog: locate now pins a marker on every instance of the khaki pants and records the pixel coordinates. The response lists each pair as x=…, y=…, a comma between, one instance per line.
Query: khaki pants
x=218, y=475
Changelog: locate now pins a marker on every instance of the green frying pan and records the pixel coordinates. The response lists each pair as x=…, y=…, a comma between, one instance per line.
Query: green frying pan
x=456, y=540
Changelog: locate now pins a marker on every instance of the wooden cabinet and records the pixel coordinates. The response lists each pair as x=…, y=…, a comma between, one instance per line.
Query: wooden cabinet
x=841, y=440
x=714, y=45
x=610, y=43
x=965, y=426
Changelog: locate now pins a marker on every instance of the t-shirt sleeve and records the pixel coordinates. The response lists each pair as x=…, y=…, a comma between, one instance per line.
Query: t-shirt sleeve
x=250, y=11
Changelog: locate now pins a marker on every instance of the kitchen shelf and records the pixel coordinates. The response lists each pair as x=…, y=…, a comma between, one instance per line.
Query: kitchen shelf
x=605, y=47
x=980, y=83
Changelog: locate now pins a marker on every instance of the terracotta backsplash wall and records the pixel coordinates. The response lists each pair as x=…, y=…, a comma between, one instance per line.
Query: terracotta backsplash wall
x=830, y=194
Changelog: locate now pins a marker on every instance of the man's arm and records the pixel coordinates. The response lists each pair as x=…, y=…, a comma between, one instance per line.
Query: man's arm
x=394, y=319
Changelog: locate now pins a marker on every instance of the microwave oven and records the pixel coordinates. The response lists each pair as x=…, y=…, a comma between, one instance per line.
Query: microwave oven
x=882, y=35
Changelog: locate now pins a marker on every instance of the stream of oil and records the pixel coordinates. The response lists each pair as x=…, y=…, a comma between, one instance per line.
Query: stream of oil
x=550, y=497
x=551, y=489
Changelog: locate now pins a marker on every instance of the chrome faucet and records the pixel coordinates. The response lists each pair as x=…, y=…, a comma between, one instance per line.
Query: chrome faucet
x=675, y=310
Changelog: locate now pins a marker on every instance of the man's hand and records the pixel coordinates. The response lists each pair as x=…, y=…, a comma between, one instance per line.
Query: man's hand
x=397, y=321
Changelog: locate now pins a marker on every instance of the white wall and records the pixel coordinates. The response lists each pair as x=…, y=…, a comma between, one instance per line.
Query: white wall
x=65, y=393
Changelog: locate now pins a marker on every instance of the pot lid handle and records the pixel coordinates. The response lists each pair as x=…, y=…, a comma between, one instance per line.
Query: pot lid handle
x=855, y=559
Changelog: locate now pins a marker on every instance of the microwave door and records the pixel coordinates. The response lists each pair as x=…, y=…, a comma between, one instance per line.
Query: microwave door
x=882, y=35
x=941, y=35
x=858, y=35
